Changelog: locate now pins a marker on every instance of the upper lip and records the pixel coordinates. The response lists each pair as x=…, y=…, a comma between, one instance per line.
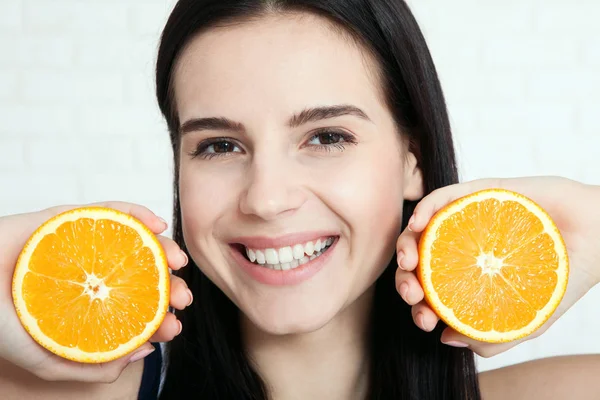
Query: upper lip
x=266, y=242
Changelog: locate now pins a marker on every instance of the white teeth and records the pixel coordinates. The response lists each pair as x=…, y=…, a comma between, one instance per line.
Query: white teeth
x=318, y=246
x=298, y=251
x=271, y=256
x=285, y=255
x=315, y=255
x=251, y=254
x=260, y=257
x=309, y=248
x=289, y=257
x=293, y=264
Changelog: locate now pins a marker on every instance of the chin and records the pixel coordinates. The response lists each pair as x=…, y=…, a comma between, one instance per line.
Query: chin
x=279, y=320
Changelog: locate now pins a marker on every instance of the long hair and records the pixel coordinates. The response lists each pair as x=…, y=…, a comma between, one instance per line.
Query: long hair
x=207, y=360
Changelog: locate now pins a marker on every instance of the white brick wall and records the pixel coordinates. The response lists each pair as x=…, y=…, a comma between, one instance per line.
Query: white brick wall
x=79, y=123
x=522, y=83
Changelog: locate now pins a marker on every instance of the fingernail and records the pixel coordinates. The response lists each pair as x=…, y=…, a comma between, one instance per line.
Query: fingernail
x=180, y=328
x=191, y=297
x=421, y=319
x=141, y=354
x=163, y=221
x=455, y=343
x=404, y=290
x=185, y=258
x=400, y=258
x=410, y=222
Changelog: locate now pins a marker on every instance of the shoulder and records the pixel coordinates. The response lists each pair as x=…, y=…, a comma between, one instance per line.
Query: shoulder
x=552, y=378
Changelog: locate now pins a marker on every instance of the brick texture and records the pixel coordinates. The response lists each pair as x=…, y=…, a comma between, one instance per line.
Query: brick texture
x=79, y=122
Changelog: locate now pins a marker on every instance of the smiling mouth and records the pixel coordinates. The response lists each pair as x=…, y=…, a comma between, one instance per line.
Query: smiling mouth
x=287, y=257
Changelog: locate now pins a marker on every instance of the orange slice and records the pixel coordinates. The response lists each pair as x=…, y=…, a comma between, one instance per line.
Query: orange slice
x=493, y=265
x=91, y=284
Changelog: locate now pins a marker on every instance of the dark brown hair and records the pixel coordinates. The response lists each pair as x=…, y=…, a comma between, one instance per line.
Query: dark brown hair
x=207, y=360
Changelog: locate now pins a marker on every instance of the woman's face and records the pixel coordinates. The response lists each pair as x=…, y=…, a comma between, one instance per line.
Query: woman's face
x=287, y=146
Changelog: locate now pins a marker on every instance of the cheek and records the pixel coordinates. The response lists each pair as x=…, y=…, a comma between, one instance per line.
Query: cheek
x=205, y=196
x=367, y=196
x=367, y=193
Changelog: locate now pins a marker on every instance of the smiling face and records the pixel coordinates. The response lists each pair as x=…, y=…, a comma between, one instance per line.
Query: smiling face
x=287, y=147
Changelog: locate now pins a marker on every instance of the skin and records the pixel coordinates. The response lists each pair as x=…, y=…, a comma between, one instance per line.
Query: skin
x=277, y=182
x=19, y=348
x=307, y=341
x=573, y=208
x=29, y=371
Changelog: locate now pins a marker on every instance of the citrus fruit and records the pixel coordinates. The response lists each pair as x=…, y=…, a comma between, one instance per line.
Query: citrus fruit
x=91, y=284
x=493, y=265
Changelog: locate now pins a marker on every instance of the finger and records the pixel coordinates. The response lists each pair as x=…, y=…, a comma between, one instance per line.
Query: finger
x=181, y=296
x=169, y=328
x=175, y=256
x=453, y=338
x=439, y=198
x=424, y=316
x=147, y=217
x=407, y=250
x=408, y=287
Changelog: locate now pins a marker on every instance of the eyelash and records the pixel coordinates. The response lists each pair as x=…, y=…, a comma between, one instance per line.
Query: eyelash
x=345, y=138
x=200, y=150
x=340, y=146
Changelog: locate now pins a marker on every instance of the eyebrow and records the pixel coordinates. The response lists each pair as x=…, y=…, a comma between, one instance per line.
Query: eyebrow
x=320, y=113
x=213, y=123
x=313, y=114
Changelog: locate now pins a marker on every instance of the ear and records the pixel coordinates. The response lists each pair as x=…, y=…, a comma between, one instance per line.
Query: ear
x=413, y=179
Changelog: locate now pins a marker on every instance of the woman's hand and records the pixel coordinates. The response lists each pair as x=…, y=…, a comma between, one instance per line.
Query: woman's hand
x=20, y=349
x=574, y=207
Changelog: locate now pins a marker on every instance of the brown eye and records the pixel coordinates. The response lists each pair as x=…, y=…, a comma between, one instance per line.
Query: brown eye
x=215, y=148
x=223, y=147
x=330, y=140
x=326, y=138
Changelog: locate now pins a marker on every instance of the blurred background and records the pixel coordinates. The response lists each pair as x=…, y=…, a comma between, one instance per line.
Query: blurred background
x=79, y=120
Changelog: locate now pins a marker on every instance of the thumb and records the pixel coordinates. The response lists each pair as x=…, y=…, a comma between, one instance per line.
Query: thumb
x=141, y=353
x=453, y=338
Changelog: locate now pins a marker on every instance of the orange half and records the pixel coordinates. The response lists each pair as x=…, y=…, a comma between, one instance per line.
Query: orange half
x=91, y=284
x=493, y=265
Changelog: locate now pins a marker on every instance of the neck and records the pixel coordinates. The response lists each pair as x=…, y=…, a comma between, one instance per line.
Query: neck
x=329, y=363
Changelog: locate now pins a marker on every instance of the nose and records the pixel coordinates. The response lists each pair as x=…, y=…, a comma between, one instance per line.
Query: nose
x=273, y=188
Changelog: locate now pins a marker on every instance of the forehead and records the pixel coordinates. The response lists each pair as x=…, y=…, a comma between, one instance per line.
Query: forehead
x=276, y=64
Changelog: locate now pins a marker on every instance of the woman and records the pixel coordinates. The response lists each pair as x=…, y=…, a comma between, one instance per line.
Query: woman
x=307, y=123
x=313, y=157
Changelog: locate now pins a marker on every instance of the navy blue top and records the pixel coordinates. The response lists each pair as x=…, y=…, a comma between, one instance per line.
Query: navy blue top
x=151, y=375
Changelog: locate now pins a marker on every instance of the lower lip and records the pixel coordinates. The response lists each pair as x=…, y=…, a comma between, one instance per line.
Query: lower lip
x=288, y=277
